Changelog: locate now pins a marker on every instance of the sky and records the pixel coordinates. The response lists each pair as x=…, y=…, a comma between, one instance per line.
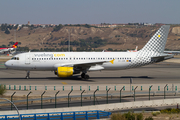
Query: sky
x=89, y=11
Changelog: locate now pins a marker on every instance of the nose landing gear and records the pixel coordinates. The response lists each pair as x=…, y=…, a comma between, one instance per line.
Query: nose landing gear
x=28, y=73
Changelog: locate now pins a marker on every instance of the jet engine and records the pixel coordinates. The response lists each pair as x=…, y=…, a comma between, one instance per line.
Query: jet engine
x=64, y=71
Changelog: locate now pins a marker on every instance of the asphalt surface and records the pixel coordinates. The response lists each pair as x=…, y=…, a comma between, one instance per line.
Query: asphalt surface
x=163, y=72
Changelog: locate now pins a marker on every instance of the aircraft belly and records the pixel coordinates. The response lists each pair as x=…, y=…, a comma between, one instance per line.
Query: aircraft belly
x=116, y=65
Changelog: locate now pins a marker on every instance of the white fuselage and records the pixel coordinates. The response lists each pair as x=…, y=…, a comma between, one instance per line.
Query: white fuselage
x=47, y=61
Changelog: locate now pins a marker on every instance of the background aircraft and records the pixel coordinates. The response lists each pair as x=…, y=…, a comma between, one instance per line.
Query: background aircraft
x=9, y=50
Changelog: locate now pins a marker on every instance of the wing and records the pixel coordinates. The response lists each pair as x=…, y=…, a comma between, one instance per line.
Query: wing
x=94, y=65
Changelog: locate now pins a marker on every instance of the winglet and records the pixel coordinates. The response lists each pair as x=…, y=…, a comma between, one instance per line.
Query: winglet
x=112, y=61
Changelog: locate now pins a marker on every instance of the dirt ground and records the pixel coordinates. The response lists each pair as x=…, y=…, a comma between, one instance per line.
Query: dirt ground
x=163, y=116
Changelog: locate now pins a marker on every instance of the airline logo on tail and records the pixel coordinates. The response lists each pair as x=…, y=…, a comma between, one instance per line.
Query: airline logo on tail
x=15, y=45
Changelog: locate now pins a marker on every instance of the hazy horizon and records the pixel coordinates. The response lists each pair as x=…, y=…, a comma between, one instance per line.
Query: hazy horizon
x=89, y=11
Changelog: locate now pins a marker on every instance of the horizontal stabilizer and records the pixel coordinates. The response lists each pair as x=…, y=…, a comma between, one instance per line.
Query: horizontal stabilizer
x=163, y=57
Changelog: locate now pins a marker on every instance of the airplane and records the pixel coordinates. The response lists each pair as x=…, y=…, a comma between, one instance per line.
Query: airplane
x=136, y=49
x=4, y=50
x=66, y=64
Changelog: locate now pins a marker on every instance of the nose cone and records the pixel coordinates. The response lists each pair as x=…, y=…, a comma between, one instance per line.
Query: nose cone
x=6, y=64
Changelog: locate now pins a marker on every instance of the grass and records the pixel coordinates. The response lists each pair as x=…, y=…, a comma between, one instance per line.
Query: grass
x=2, y=90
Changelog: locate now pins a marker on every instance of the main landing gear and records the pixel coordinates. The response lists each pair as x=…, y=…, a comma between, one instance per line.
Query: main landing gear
x=85, y=76
x=28, y=73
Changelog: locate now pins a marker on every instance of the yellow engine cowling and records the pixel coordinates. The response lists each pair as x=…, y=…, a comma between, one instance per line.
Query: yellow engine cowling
x=64, y=71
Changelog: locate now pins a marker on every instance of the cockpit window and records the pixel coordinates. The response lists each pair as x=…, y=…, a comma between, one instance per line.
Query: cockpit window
x=15, y=58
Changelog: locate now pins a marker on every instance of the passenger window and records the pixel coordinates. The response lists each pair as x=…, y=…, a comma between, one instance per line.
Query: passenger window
x=39, y=58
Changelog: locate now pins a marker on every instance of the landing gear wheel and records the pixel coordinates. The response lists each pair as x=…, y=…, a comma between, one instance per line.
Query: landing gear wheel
x=86, y=77
x=82, y=75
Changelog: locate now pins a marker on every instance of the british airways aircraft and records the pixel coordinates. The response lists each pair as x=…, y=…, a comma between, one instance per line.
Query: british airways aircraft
x=65, y=64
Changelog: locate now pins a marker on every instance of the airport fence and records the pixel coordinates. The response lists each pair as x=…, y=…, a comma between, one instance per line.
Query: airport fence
x=83, y=95
x=93, y=98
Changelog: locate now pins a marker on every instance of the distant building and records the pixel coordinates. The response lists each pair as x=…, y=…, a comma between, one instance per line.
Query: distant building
x=29, y=23
x=148, y=24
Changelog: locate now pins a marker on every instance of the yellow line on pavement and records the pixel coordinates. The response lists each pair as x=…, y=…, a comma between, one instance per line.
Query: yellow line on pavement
x=64, y=83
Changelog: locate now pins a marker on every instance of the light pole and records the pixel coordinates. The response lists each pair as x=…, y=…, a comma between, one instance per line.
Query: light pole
x=14, y=106
x=69, y=41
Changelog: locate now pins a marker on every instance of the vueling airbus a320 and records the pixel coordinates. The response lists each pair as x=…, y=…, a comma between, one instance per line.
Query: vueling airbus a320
x=65, y=64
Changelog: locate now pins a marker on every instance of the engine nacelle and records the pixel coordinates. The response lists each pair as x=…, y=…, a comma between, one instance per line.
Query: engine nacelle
x=64, y=71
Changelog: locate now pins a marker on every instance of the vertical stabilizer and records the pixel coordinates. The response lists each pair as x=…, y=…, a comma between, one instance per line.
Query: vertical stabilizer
x=153, y=48
x=15, y=45
x=158, y=41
